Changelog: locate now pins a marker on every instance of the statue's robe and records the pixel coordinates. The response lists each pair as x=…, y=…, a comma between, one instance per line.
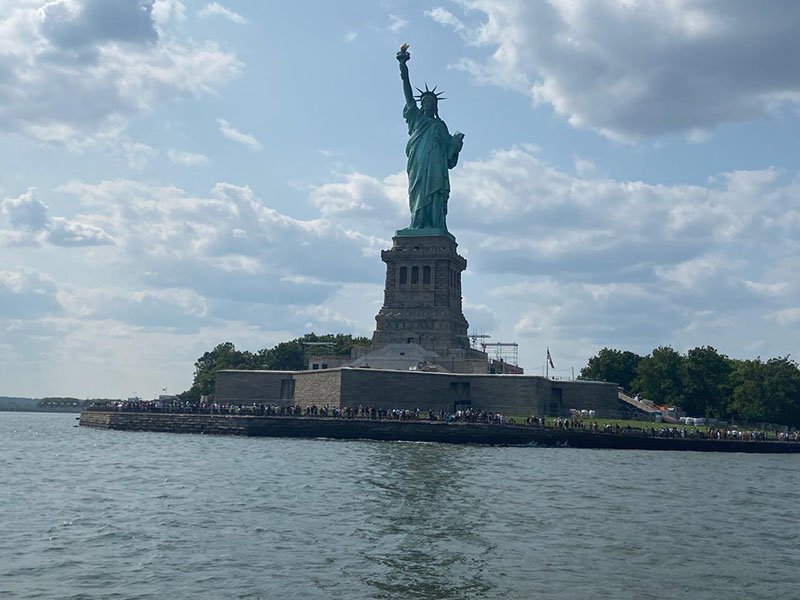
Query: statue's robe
x=431, y=151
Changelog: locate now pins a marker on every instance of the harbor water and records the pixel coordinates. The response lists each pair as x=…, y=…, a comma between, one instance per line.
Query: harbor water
x=102, y=514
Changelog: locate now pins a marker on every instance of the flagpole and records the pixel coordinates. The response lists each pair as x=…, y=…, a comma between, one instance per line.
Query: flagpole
x=547, y=364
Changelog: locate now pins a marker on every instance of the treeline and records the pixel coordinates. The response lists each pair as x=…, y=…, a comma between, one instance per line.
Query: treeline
x=706, y=383
x=60, y=404
x=286, y=356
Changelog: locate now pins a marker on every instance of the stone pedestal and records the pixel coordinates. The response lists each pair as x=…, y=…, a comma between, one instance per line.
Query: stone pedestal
x=422, y=295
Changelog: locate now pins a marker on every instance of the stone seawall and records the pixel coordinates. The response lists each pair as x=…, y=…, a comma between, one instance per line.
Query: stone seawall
x=454, y=433
x=167, y=423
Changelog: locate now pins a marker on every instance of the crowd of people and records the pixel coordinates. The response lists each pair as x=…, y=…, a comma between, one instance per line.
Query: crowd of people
x=468, y=415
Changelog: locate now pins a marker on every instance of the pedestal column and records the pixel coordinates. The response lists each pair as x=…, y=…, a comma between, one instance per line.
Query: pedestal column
x=422, y=294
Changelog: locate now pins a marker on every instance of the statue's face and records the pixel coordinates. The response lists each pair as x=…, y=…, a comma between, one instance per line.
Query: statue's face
x=429, y=104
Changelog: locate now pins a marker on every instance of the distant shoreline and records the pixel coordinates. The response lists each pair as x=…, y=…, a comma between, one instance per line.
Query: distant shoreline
x=73, y=409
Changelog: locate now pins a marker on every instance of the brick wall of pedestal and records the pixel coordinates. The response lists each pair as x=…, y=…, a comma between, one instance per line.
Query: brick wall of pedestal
x=428, y=313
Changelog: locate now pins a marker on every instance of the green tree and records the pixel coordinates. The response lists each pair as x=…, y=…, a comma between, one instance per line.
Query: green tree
x=285, y=356
x=748, y=402
x=612, y=365
x=782, y=391
x=660, y=375
x=767, y=391
x=223, y=356
x=706, y=387
x=290, y=356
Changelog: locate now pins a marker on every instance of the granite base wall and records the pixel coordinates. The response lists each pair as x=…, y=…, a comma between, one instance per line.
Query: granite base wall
x=167, y=423
x=506, y=394
x=320, y=388
x=246, y=387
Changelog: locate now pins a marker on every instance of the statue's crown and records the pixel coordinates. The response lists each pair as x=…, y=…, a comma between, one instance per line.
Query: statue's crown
x=427, y=92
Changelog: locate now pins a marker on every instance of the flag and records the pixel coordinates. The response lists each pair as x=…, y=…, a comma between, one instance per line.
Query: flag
x=550, y=359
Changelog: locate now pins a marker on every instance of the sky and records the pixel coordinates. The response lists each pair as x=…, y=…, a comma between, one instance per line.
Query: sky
x=176, y=174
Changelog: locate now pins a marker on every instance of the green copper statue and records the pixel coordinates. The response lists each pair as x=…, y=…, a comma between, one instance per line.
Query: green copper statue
x=431, y=151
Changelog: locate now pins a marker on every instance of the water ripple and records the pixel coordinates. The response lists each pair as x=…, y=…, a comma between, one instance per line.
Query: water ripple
x=114, y=515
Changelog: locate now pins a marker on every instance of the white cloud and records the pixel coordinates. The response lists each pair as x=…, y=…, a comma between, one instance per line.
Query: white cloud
x=639, y=68
x=573, y=261
x=172, y=308
x=25, y=211
x=350, y=309
x=445, y=17
x=164, y=10
x=591, y=261
x=216, y=9
x=70, y=233
x=350, y=36
x=27, y=294
x=230, y=132
x=363, y=197
x=396, y=23
x=787, y=316
x=138, y=155
x=228, y=245
x=189, y=159
x=75, y=71
x=31, y=224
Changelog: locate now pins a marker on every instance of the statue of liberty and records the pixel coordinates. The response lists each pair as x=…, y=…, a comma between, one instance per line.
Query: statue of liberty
x=431, y=151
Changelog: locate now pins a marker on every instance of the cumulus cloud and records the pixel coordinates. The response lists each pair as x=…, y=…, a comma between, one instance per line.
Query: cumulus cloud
x=31, y=224
x=578, y=261
x=69, y=233
x=172, y=309
x=364, y=198
x=75, y=71
x=230, y=132
x=593, y=261
x=639, y=68
x=25, y=211
x=216, y=9
x=165, y=10
x=228, y=245
x=517, y=203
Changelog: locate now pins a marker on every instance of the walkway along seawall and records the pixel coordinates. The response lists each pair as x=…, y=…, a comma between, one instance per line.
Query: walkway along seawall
x=415, y=431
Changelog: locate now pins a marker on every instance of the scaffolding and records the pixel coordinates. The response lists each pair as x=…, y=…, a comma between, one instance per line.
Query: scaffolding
x=475, y=336
x=507, y=352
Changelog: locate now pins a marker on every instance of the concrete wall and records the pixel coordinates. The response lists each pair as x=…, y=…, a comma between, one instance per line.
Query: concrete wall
x=507, y=394
x=247, y=387
x=397, y=389
x=169, y=423
x=590, y=395
x=320, y=388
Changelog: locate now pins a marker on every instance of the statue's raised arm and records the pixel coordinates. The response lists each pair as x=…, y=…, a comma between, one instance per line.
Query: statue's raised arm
x=403, y=57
